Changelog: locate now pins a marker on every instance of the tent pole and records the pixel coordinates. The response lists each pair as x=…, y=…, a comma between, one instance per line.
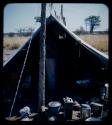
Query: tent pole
x=41, y=84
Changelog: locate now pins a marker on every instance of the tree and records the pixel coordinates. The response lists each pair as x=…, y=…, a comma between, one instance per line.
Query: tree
x=93, y=22
x=80, y=31
x=27, y=31
x=11, y=34
x=30, y=29
x=20, y=32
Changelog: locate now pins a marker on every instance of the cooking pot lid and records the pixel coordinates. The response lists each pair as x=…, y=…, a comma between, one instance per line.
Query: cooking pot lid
x=54, y=104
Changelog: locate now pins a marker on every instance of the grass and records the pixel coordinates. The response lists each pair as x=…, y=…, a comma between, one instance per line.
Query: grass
x=99, y=42
x=11, y=43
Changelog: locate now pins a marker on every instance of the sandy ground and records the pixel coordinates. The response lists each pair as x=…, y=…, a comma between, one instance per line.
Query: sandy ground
x=8, y=53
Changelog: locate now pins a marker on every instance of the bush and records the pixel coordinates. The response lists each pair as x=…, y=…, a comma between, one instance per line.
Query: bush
x=80, y=31
x=11, y=34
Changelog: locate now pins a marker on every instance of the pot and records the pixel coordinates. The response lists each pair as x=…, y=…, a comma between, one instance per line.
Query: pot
x=54, y=107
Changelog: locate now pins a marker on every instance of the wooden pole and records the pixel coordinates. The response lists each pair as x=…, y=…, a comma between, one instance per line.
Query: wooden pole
x=41, y=85
x=61, y=11
x=62, y=17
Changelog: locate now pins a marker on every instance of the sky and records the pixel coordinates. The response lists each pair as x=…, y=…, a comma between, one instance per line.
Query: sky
x=22, y=15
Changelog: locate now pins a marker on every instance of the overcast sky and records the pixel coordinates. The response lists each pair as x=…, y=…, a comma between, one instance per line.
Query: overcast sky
x=18, y=16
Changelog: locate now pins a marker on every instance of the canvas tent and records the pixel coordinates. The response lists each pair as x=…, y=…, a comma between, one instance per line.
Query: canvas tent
x=69, y=62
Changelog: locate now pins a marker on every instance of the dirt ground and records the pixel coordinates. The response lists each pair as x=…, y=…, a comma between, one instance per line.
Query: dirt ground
x=8, y=53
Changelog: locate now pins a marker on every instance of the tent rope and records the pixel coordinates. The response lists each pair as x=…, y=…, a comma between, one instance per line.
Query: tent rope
x=19, y=81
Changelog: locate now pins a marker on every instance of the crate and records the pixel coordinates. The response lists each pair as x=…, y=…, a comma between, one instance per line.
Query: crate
x=96, y=109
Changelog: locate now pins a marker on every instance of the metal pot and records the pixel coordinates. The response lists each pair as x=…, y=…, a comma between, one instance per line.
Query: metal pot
x=54, y=107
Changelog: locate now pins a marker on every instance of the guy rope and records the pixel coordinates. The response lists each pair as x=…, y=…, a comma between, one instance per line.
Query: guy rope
x=20, y=77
